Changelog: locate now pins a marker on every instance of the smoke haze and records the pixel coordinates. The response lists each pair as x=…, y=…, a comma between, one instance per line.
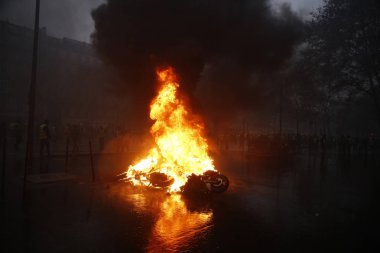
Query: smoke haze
x=63, y=18
x=216, y=46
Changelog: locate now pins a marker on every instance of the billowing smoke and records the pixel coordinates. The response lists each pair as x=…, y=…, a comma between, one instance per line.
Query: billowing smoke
x=216, y=46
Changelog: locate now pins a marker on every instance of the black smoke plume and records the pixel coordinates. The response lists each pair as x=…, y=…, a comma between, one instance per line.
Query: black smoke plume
x=214, y=45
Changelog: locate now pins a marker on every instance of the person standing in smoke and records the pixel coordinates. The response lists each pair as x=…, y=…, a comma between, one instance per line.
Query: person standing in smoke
x=44, y=138
x=17, y=134
x=102, y=136
x=3, y=135
x=323, y=161
x=67, y=134
x=75, y=137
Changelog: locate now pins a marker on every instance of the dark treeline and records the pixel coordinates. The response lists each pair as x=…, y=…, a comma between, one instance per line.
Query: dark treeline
x=335, y=77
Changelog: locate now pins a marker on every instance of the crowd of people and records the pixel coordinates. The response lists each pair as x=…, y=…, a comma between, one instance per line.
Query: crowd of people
x=75, y=137
x=268, y=143
x=282, y=154
x=111, y=138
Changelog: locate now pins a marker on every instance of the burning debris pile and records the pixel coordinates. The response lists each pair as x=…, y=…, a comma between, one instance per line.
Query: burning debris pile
x=181, y=151
x=221, y=49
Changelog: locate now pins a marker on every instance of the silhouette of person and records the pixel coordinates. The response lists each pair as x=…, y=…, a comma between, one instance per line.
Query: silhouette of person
x=44, y=138
x=17, y=134
x=323, y=164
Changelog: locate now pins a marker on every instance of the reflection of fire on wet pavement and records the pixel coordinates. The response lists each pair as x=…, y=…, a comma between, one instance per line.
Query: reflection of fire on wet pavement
x=175, y=226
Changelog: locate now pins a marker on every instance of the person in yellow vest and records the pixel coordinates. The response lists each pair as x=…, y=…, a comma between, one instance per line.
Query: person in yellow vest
x=44, y=138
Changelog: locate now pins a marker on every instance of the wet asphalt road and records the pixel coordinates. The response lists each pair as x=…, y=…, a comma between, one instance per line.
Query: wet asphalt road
x=298, y=212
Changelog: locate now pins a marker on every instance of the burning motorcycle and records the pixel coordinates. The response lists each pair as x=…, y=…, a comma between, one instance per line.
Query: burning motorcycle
x=208, y=182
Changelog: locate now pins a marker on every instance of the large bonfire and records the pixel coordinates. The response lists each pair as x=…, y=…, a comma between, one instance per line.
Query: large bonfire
x=180, y=148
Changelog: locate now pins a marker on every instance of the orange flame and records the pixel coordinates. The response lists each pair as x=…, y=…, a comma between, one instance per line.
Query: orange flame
x=180, y=148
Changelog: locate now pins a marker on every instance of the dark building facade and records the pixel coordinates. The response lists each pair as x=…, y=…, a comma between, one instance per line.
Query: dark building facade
x=71, y=80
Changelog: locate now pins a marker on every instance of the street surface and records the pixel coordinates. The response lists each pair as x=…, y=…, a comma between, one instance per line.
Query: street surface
x=263, y=211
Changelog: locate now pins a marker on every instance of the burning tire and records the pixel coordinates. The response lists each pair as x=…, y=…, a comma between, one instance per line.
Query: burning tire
x=217, y=183
x=161, y=180
x=209, y=182
x=195, y=186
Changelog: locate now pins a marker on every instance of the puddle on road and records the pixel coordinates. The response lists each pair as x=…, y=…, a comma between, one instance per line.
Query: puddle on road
x=177, y=224
x=177, y=227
